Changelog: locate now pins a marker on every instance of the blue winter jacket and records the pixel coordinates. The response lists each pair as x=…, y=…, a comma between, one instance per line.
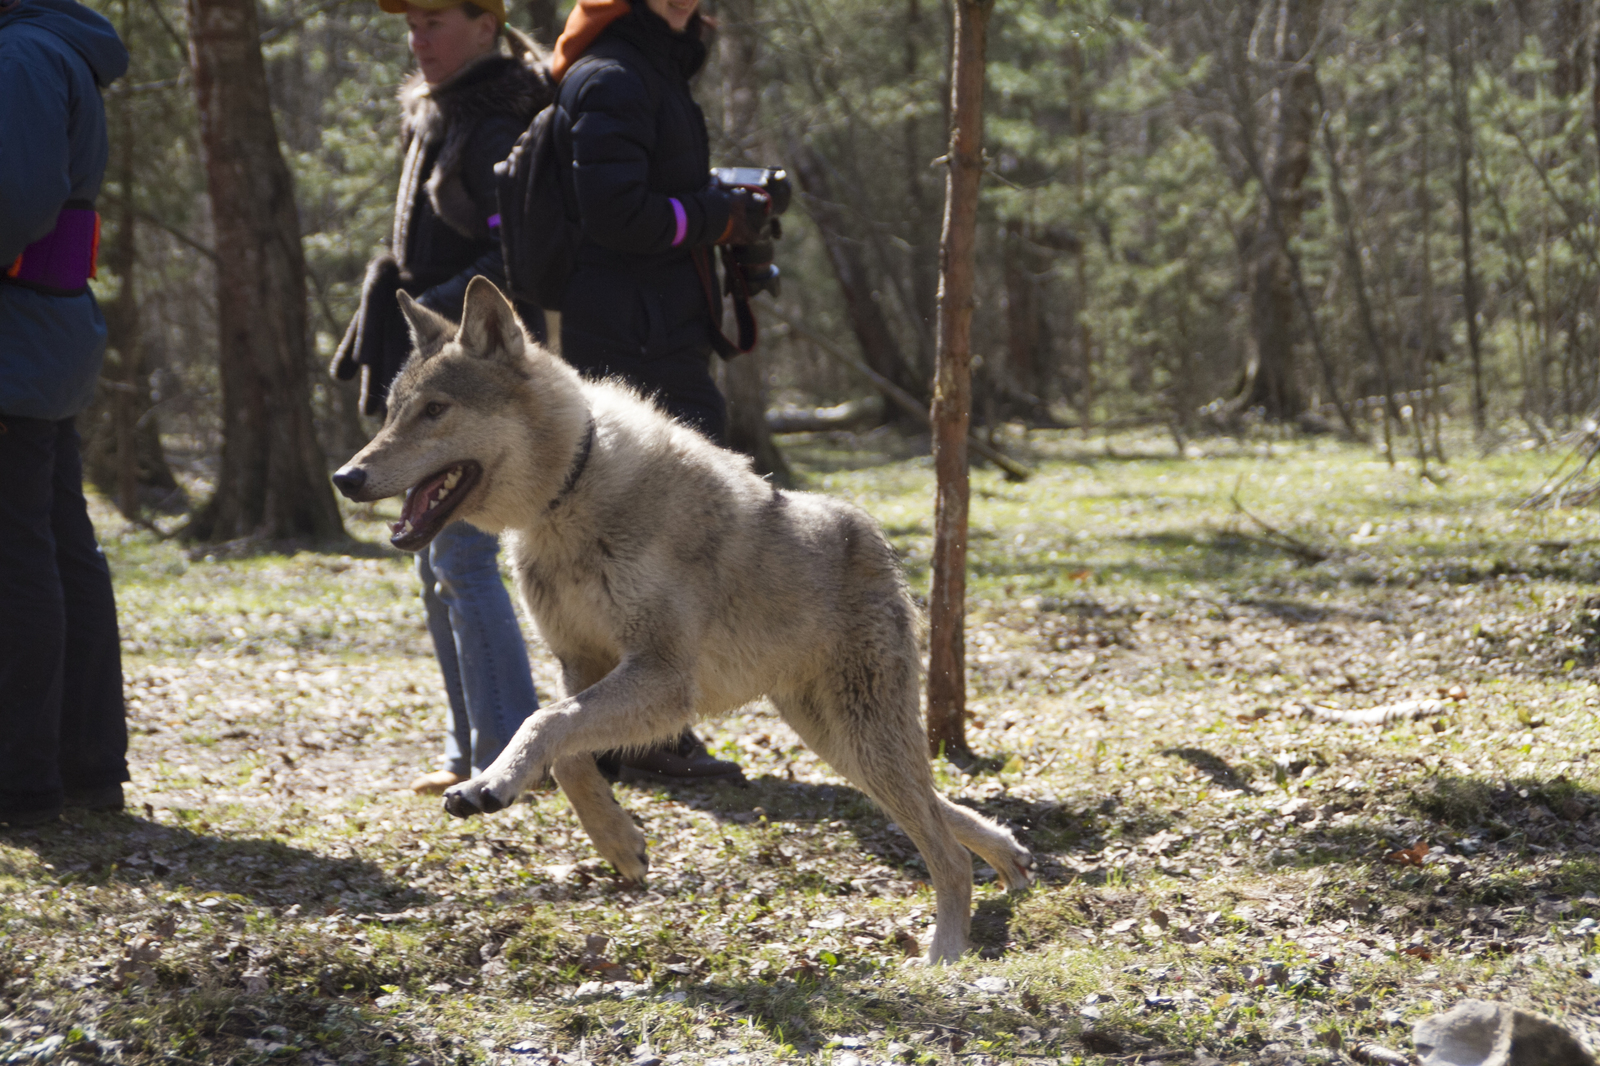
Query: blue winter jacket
x=55, y=56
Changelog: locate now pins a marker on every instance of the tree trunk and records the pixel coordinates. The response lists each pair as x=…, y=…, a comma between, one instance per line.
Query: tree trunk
x=921, y=265
x=879, y=346
x=122, y=448
x=1027, y=328
x=744, y=379
x=1427, y=357
x=273, y=482
x=952, y=396
x=1344, y=217
x=1460, y=79
x=1271, y=373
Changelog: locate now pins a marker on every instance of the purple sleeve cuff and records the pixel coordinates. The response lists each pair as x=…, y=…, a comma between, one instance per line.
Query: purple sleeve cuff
x=494, y=220
x=682, y=218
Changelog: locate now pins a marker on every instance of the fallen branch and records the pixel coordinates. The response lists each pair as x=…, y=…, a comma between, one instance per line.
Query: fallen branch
x=1405, y=710
x=852, y=414
x=1013, y=470
x=1273, y=537
x=1563, y=487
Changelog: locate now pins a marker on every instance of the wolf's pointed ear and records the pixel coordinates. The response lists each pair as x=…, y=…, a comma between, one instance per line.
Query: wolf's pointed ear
x=429, y=329
x=489, y=326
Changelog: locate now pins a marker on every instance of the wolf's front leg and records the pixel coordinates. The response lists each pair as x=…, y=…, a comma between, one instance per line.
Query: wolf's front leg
x=638, y=703
x=608, y=825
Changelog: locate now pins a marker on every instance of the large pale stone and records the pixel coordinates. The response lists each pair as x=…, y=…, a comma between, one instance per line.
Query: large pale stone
x=1479, y=1033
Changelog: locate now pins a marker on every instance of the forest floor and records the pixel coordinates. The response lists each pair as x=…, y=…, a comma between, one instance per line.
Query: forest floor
x=1222, y=878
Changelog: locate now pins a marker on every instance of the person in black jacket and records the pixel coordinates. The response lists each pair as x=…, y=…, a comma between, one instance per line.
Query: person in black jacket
x=462, y=112
x=639, y=184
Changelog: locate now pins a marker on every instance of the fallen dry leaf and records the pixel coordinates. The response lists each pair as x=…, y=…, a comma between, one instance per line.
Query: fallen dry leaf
x=1415, y=855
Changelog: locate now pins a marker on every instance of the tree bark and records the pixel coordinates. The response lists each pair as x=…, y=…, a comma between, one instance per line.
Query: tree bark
x=744, y=379
x=1027, y=327
x=952, y=397
x=879, y=345
x=1460, y=52
x=122, y=448
x=1272, y=371
x=273, y=482
x=922, y=266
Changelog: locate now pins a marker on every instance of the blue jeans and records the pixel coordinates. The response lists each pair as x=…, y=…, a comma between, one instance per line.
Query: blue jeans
x=61, y=710
x=479, y=645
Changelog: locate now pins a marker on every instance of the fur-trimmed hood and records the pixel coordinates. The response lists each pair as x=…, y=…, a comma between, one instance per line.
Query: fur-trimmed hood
x=448, y=114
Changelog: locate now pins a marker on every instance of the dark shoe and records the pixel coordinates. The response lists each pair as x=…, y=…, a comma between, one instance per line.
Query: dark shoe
x=103, y=798
x=683, y=762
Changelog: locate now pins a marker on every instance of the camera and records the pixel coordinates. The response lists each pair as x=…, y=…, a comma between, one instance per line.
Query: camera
x=749, y=268
x=774, y=181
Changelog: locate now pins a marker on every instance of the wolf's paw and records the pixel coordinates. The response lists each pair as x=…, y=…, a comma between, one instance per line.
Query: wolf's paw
x=471, y=797
x=635, y=869
x=1017, y=871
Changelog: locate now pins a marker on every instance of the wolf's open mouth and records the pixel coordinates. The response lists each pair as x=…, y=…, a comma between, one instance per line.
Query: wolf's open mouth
x=429, y=504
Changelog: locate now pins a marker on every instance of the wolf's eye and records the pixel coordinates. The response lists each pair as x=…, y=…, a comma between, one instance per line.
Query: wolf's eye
x=434, y=409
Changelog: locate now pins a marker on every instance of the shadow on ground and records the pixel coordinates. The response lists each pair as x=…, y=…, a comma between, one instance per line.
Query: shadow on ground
x=104, y=849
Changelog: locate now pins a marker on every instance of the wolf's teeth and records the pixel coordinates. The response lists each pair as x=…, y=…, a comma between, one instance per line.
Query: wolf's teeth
x=443, y=492
x=451, y=479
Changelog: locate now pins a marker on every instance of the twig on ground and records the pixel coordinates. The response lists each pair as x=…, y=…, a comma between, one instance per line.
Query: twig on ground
x=1561, y=488
x=1273, y=537
x=1405, y=710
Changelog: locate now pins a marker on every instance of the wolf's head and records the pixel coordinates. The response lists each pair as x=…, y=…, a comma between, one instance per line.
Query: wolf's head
x=483, y=424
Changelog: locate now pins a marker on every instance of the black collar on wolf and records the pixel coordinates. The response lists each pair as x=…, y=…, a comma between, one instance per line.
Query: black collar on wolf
x=579, y=461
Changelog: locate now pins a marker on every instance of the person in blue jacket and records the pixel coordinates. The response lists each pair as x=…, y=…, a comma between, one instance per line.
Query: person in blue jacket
x=63, y=734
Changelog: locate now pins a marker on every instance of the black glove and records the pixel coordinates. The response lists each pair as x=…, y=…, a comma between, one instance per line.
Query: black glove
x=749, y=216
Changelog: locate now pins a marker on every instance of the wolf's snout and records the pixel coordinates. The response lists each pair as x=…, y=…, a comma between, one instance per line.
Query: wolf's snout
x=350, y=480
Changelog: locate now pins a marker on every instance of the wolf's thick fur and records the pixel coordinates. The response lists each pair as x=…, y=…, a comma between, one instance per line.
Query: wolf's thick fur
x=672, y=584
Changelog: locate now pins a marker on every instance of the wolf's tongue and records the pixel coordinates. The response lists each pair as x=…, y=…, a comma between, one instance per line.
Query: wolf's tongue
x=416, y=507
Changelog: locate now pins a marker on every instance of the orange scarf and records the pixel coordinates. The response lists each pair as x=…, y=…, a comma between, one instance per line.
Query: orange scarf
x=588, y=18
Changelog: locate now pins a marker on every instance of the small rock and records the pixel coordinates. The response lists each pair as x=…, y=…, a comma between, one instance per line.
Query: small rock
x=990, y=984
x=1478, y=1033
x=44, y=1050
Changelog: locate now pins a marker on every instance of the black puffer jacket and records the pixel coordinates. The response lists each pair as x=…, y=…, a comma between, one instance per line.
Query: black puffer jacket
x=636, y=141
x=452, y=136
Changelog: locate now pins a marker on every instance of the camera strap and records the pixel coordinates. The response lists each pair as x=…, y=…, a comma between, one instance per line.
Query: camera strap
x=743, y=315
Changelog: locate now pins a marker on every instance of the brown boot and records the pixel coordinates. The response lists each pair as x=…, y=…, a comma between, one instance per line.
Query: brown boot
x=435, y=783
x=684, y=761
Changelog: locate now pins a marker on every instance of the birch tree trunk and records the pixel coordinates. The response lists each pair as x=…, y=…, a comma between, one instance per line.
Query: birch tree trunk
x=273, y=482
x=952, y=396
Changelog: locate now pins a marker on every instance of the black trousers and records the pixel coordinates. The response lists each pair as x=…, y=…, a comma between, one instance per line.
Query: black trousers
x=62, y=718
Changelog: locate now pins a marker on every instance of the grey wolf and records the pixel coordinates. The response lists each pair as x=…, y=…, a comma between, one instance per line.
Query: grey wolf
x=671, y=583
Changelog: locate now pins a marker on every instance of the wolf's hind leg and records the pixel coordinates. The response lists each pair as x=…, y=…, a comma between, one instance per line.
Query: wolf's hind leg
x=881, y=752
x=608, y=825
x=998, y=848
